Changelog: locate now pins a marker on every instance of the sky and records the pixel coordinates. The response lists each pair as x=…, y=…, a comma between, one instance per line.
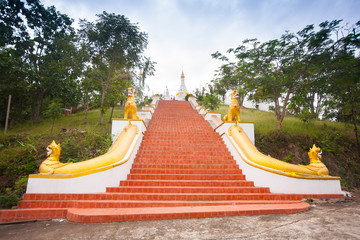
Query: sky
x=182, y=34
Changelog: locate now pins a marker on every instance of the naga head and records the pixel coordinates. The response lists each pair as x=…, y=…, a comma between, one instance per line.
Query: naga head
x=131, y=92
x=235, y=94
x=315, y=154
x=53, y=150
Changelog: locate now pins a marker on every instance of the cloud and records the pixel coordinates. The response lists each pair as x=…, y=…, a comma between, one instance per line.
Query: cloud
x=184, y=33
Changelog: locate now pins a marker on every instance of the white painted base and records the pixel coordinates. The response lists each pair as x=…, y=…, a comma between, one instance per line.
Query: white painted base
x=93, y=183
x=209, y=116
x=279, y=183
x=201, y=110
x=144, y=114
x=193, y=102
x=148, y=108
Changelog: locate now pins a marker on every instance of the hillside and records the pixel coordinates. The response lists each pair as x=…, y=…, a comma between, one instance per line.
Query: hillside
x=24, y=148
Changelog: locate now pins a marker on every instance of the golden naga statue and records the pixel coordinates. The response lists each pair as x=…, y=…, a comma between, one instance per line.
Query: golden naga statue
x=130, y=106
x=316, y=169
x=316, y=164
x=234, y=108
x=52, y=161
x=116, y=153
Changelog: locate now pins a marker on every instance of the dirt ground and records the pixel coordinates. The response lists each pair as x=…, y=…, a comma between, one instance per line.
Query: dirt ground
x=325, y=220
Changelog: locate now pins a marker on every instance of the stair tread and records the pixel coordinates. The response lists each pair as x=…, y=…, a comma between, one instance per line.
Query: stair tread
x=186, y=209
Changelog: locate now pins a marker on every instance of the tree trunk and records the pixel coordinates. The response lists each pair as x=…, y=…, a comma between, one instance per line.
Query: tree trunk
x=101, y=116
x=277, y=112
x=105, y=86
x=102, y=106
x=112, y=111
x=86, y=112
x=241, y=100
x=353, y=118
x=280, y=115
x=86, y=104
x=39, y=100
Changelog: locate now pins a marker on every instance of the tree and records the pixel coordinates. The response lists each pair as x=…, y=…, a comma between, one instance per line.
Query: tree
x=278, y=68
x=113, y=43
x=344, y=81
x=54, y=111
x=211, y=102
x=232, y=76
x=48, y=56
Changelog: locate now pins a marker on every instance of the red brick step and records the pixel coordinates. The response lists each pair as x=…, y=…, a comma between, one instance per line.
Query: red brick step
x=94, y=215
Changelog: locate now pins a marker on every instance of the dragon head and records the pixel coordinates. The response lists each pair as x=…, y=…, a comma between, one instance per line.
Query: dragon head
x=315, y=154
x=235, y=94
x=53, y=150
x=131, y=92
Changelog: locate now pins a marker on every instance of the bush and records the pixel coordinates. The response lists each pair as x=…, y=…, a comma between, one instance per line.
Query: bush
x=211, y=102
x=8, y=200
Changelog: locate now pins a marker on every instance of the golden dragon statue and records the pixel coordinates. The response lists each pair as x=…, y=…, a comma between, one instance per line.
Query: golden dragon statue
x=130, y=106
x=257, y=159
x=234, y=108
x=52, y=162
x=118, y=150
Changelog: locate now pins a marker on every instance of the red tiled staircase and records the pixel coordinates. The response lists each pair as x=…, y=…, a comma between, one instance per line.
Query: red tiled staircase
x=182, y=170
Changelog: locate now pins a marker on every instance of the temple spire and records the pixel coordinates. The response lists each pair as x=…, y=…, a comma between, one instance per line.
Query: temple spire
x=182, y=90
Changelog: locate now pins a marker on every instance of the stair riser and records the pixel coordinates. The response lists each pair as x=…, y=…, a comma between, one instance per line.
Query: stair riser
x=185, y=171
x=187, y=190
x=166, y=216
x=185, y=166
x=184, y=177
x=141, y=204
x=27, y=214
x=197, y=160
x=187, y=183
x=166, y=197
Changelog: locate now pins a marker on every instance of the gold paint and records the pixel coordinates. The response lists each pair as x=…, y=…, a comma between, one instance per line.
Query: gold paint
x=52, y=161
x=315, y=170
x=130, y=106
x=103, y=162
x=234, y=108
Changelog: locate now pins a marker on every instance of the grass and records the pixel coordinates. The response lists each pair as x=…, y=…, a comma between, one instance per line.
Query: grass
x=69, y=121
x=265, y=123
x=23, y=148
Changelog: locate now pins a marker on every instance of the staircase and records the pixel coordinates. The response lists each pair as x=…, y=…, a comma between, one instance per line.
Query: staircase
x=182, y=170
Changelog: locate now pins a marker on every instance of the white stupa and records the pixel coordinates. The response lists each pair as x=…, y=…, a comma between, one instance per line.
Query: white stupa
x=180, y=95
x=167, y=94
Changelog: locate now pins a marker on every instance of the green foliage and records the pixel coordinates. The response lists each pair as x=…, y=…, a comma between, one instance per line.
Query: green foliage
x=39, y=58
x=23, y=149
x=303, y=73
x=53, y=111
x=211, y=102
x=305, y=115
x=200, y=94
x=116, y=45
x=289, y=158
x=8, y=200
